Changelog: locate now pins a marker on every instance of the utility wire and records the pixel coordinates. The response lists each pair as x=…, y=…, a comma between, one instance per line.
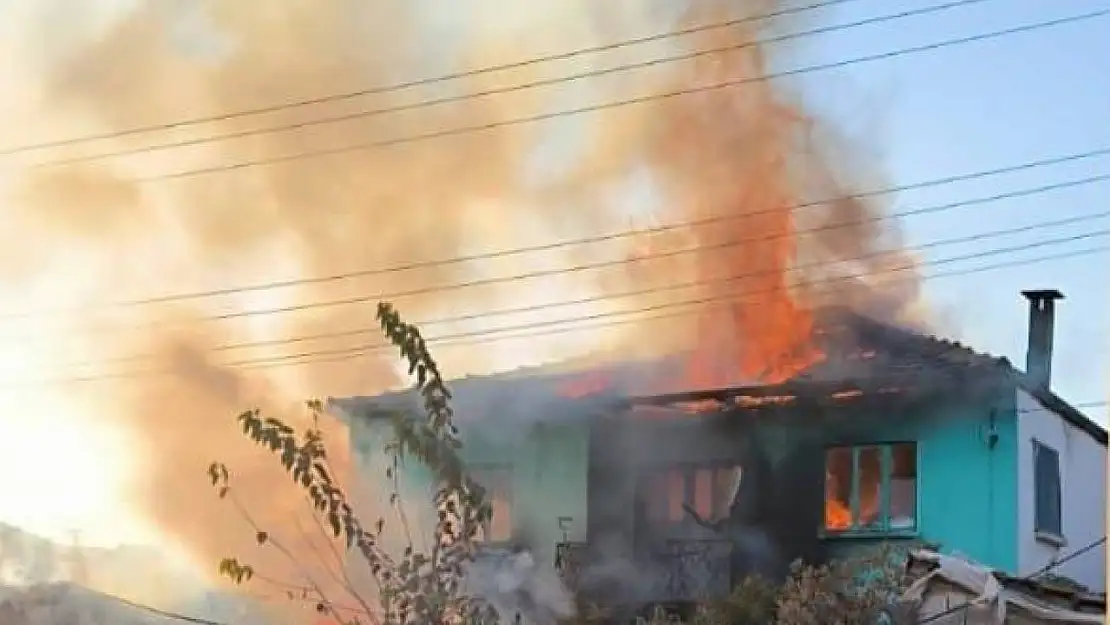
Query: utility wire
x=1031, y=577
x=689, y=284
x=570, y=54
x=593, y=108
x=1071, y=556
x=544, y=328
x=541, y=273
x=142, y=607
x=536, y=84
x=530, y=330
x=719, y=299
x=675, y=227
x=202, y=621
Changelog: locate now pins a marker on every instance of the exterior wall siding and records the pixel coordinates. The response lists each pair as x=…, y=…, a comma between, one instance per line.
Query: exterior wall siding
x=1083, y=482
x=548, y=466
x=968, y=497
x=966, y=493
x=965, y=497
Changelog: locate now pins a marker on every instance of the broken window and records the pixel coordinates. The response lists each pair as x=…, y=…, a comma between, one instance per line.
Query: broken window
x=871, y=488
x=498, y=482
x=709, y=490
x=903, y=486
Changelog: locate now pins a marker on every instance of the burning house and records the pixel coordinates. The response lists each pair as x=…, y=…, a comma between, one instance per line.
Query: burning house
x=886, y=435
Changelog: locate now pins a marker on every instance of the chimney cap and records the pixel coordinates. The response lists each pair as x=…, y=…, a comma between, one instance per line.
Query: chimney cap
x=1036, y=295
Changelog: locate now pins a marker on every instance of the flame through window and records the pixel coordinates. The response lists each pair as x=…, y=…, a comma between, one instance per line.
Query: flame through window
x=871, y=488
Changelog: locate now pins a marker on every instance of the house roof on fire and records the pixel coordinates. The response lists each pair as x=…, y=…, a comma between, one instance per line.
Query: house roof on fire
x=862, y=355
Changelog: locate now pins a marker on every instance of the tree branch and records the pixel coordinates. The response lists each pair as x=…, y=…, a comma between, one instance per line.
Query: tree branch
x=325, y=602
x=347, y=584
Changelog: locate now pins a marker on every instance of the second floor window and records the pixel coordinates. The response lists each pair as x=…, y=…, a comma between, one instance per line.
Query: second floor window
x=871, y=488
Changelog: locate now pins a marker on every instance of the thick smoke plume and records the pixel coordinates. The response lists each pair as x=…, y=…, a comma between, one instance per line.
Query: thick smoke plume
x=92, y=232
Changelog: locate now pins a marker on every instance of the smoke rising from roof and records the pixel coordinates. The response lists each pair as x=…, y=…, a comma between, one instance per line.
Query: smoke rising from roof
x=749, y=150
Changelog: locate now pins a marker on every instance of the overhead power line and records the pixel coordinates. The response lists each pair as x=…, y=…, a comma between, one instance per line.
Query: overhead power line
x=1031, y=577
x=593, y=108
x=553, y=272
x=142, y=607
x=535, y=84
x=724, y=300
x=673, y=227
x=544, y=328
x=1055, y=564
x=654, y=290
x=202, y=621
x=420, y=82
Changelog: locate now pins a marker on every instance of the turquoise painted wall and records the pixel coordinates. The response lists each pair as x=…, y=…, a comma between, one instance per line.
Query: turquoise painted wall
x=967, y=488
x=548, y=464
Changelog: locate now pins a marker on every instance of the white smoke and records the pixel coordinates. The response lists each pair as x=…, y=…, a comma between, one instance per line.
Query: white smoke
x=518, y=587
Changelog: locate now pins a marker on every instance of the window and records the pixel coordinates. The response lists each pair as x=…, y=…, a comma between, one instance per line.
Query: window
x=709, y=490
x=498, y=482
x=1047, y=508
x=871, y=488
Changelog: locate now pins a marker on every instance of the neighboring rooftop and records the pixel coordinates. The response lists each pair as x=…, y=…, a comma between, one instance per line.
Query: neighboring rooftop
x=945, y=584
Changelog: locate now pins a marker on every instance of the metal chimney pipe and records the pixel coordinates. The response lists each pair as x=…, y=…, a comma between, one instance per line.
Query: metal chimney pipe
x=1042, y=312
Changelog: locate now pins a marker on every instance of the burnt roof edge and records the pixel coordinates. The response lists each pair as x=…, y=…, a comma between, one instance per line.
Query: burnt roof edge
x=796, y=387
x=1020, y=379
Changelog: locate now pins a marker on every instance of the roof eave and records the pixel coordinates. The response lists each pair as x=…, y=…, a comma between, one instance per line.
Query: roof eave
x=1061, y=407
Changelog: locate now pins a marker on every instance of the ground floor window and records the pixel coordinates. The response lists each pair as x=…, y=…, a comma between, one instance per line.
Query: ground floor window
x=498, y=482
x=709, y=490
x=871, y=488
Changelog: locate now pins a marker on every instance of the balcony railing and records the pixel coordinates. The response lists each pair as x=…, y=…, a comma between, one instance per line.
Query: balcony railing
x=678, y=570
x=693, y=570
x=571, y=559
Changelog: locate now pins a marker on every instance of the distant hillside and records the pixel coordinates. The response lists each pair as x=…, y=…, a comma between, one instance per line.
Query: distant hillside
x=52, y=604
x=27, y=558
x=43, y=582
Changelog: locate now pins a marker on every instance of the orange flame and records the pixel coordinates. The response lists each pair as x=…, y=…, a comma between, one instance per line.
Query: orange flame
x=583, y=385
x=838, y=514
x=838, y=517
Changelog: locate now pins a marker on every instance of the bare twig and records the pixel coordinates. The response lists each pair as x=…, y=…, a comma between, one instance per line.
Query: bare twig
x=397, y=503
x=347, y=584
x=325, y=601
x=307, y=539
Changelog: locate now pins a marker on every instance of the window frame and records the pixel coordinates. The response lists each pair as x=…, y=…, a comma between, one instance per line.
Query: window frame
x=886, y=470
x=476, y=470
x=1047, y=534
x=689, y=471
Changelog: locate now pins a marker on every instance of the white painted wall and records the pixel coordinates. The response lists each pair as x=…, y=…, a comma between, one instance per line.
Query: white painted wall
x=1083, y=481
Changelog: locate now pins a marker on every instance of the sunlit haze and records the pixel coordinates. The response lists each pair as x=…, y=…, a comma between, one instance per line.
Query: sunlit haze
x=112, y=412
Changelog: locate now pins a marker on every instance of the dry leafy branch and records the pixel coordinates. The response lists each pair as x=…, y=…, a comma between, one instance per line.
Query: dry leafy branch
x=413, y=587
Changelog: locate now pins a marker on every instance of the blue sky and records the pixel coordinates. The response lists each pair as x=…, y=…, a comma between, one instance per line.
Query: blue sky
x=979, y=106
